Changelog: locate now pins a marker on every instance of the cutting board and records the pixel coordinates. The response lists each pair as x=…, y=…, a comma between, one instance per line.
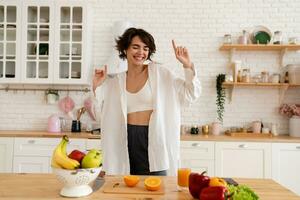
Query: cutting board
x=117, y=185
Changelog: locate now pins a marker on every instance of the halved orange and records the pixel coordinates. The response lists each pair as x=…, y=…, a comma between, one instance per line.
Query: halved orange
x=152, y=183
x=131, y=181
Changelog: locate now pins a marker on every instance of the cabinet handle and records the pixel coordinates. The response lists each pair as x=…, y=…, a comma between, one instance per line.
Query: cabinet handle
x=242, y=146
x=31, y=141
x=297, y=147
x=195, y=144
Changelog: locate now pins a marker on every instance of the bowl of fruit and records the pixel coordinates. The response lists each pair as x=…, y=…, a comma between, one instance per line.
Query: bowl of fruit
x=77, y=170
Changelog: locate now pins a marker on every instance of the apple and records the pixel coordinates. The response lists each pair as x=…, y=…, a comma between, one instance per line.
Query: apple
x=76, y=155
x=92, y=159
x=197, y=182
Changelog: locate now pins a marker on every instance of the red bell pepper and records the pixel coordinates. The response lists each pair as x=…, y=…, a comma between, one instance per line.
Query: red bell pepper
x=196, y=183
x=214, y=193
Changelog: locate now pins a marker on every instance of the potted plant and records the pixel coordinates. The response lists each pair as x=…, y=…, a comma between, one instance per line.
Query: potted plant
x=220, y=96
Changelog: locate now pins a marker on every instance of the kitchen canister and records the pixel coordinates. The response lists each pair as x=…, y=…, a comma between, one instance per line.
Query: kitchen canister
x=294, y=126
x=215, y=128
x=256, y=127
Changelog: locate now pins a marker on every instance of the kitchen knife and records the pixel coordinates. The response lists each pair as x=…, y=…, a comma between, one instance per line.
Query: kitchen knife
x=98, y=184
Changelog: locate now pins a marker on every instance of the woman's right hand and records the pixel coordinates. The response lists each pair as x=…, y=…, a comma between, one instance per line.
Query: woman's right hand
x=99, y=77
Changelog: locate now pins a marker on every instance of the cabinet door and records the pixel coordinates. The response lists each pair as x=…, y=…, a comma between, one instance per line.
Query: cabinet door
x=43, y=146
x=6, y=154
x=29, y=164
x=243, y=159
x=286, y=165
x=199, y=156
x=10, y=41
x=71, y=57
x=38, y=41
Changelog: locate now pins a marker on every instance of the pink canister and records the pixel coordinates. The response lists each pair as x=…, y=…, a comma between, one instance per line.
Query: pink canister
x=215, y=128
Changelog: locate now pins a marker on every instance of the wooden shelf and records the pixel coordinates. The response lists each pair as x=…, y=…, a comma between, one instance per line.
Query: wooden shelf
x=282, y=86
x=240, y=84
x=259, y=47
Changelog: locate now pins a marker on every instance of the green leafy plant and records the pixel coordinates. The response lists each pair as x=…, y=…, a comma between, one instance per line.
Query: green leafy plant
x=220, y=96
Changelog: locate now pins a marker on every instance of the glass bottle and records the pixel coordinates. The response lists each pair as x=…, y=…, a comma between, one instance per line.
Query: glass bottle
x=277, y=37
x=246, y=76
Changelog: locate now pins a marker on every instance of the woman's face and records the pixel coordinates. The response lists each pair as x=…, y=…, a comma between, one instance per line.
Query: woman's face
x=137, y=52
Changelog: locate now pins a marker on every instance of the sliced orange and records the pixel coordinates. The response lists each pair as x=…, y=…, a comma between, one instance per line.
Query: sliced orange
x=152, y=183
x=131, y=181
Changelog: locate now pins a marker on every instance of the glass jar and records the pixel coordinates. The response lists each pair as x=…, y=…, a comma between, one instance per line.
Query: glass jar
x=227, y=39
x=275, y=78
x=292, y=40
x=277, y=37
x=246, y=75
x=243, y=39
x=265, y=77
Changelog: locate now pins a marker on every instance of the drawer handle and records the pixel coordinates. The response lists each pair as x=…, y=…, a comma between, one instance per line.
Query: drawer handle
x=195, y=144
x=297, y=147
x=242, y=146
x=31, y=141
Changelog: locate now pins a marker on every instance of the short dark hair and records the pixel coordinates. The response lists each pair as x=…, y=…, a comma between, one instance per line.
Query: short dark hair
x=125, y=40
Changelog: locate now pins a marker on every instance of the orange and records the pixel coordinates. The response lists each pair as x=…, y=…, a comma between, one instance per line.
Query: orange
x=131, y=181
x=152, y=183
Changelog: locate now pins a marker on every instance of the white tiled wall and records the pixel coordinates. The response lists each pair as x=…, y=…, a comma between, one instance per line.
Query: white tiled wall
x=200, y=26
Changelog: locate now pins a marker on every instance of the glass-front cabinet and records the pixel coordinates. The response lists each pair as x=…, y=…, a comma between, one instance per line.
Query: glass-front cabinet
x=10, y=42
x=38, y=41
x=44, y=41
x=71, y=63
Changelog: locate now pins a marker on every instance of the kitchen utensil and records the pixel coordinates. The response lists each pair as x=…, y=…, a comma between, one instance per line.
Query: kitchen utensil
x=80, y=111
x=98, y=183
x=76, y=182
x=54, y=125
x=117, y=185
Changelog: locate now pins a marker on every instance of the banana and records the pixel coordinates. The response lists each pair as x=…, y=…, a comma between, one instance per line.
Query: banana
x=60, y=158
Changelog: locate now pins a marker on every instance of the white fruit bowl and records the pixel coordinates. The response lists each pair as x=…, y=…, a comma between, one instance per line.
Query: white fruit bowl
x=76, y=182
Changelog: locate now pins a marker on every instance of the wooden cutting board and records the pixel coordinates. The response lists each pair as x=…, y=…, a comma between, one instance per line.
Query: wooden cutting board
x=117, y=185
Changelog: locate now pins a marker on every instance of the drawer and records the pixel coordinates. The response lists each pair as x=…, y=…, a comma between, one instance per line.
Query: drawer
x=197, y=150
x=93, y=144
x=43, y=146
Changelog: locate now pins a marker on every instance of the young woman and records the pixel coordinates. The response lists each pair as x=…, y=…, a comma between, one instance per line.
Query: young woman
x=140, y=119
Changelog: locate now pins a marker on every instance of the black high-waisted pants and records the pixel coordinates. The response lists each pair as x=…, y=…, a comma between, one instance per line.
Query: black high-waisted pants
x=138, y=151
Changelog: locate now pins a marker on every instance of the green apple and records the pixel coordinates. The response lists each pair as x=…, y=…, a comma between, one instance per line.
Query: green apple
x=92, y=159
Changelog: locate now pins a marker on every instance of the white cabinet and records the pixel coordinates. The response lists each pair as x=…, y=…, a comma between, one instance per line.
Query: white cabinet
x=44, y=41
x=10, y=41
x=33, y=155
x=6, y=154
x=243, y=159
x=199, y=156
x=286, y=165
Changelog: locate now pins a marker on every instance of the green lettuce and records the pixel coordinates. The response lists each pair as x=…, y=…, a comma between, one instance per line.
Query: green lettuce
x=242, y=192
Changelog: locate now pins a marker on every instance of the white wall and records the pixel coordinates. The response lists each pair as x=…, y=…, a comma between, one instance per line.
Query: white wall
x=199, y=25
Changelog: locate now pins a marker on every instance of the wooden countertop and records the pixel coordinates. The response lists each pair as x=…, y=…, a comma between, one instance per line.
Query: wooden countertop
x=184, y=137
x=46, y=134
x=46, y=186
x=222, y=138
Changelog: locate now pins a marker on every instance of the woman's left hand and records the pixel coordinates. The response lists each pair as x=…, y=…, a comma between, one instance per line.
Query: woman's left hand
x=182, y=55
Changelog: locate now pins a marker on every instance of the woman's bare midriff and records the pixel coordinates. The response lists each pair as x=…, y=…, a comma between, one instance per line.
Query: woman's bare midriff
x=139, y=118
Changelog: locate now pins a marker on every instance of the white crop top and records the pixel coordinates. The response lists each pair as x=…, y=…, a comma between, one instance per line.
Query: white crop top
x=140, y=101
